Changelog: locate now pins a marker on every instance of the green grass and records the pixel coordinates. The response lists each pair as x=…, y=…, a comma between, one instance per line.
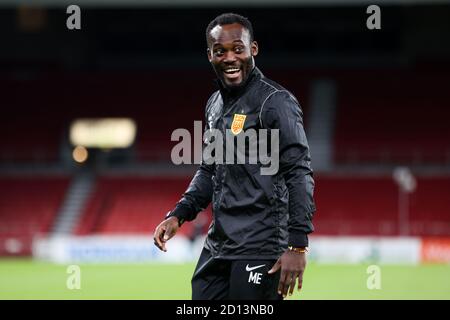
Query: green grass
x=27, y=279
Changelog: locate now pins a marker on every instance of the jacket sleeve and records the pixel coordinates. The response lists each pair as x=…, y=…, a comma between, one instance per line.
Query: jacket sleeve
x=197, y=196
x=282, y=111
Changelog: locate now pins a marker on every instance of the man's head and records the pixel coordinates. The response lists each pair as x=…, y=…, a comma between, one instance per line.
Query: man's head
x=231, y=48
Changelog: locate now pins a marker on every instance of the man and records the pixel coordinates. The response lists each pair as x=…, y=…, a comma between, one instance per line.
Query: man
x=256, y=244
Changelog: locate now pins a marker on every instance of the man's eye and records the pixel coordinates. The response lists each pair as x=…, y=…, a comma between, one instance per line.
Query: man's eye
x=218, y=52
x=239, y=50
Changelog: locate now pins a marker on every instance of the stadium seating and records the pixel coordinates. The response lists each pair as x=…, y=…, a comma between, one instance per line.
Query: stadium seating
x=360, y=205
x=430, y=207
x=124, y=205
x=28, y=206
x=383, y=115
x=365, y=205
x=34, y=124
x=392, y=116
x=356, y=206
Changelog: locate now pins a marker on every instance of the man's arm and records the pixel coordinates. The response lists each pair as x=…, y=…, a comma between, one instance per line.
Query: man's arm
x=282, y=112
x=196, y=198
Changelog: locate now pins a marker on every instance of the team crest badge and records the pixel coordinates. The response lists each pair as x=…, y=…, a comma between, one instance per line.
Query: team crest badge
x=238, y=123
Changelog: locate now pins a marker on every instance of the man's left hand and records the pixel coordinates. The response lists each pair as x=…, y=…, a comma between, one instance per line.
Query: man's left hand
x=292, y=266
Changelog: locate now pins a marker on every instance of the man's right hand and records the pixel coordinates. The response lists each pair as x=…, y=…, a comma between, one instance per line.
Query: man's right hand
x=165, y=231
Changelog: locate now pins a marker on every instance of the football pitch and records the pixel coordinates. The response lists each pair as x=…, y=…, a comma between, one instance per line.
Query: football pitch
x=28, y=279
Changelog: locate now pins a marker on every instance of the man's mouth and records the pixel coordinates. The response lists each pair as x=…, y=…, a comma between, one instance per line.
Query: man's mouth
x=232, y=72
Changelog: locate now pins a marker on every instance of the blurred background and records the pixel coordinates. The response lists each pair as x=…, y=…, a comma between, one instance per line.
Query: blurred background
x=87, y=116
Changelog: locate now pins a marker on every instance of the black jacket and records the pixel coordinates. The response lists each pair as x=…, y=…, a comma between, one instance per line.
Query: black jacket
x=255, y=216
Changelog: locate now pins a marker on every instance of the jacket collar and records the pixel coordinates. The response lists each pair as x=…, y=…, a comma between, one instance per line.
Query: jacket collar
x=233, y=94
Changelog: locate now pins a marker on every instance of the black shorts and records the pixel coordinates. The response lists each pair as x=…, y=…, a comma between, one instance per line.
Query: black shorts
x=219, y=279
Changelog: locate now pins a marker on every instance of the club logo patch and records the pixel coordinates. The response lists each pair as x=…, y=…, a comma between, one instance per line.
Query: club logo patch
x=238, y=123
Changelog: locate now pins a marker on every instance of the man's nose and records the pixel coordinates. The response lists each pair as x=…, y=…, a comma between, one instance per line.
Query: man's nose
x=229, y=57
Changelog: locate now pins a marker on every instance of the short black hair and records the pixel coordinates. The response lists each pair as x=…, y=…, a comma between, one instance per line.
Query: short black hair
x=230, y=18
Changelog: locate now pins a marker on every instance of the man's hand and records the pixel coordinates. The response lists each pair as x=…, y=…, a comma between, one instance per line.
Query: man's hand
x=292, y=266
x=165, y=231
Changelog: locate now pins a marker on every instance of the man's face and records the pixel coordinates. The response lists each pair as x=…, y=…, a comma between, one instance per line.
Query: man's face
x=231, y=53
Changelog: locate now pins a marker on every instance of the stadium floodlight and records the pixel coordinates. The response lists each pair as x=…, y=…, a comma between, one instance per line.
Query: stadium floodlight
x=406, y=184
x=405, y=179
x=104, y=133
x=80, y=154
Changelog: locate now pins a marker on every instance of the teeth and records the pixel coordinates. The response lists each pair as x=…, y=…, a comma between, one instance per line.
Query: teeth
x=231, y=70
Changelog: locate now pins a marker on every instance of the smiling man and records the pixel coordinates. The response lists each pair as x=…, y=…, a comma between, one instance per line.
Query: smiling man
x=256, y=244
x=231, y=49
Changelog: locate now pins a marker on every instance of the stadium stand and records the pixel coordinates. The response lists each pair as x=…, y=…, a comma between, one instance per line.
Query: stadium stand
x=375, y=123
x=127, y=205
x=430, y=207
x=369, y=205
x=136, y=205
x=28, y=207
x=393, y=116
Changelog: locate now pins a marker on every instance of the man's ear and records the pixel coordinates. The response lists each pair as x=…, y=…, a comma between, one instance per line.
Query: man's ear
x=208, y=52
x=254, y=48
